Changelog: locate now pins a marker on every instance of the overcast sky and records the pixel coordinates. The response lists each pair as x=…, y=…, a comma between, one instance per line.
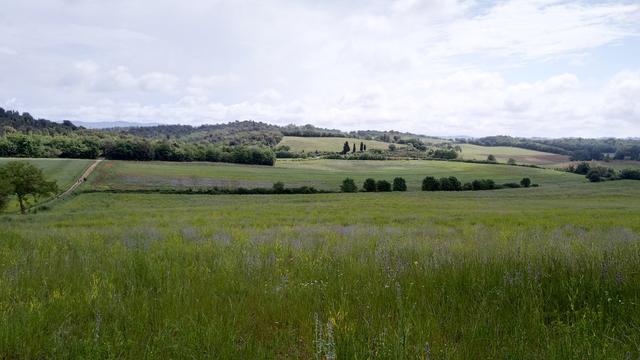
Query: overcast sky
x=442, y=67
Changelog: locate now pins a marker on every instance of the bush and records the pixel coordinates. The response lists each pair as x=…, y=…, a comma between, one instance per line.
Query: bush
x=582, y=168
x=631, y=174
x=467, y=186
x=278, y=187
x=512, y=185
x=594, y=176
x=511, y=161
x=369, y=185
x=430, y=184
x=348, y=186
x=399, y=184
x=383, y=185
x=483, y=184
x=491, y=158
x=525, y=182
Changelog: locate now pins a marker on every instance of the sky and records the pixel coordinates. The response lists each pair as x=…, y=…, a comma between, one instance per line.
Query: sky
x=439, y=67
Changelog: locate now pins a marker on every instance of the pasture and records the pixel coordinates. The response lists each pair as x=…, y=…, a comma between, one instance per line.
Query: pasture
x=535, y=273
x=504, y=153
x=323, y=174
x=64, y=171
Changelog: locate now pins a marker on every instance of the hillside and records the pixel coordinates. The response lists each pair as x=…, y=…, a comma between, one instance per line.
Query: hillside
x=504, y=153
x=321, y=174
x=329, y=144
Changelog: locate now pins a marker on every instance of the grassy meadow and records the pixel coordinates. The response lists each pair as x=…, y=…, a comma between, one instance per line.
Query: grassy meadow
x=64, y=171
x=334, y=144
x=323, y=174
x=504, y=153
x=549, y=272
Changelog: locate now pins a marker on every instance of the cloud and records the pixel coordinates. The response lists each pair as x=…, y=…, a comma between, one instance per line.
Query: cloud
x=89, y=76
x=433, y=66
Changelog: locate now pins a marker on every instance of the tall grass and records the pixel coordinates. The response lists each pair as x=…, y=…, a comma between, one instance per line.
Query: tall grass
x=387, y=276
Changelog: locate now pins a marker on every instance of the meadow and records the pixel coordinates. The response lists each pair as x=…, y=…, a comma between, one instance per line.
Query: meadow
x=522, y=273
x=504, y=153
x=64, y=171
x=332, y=144
x=323, y=174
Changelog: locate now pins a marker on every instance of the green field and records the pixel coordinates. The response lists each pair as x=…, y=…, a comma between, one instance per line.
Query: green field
x=537, y=273
x=329, y=144
x=64, y=171
x=504, y=153
x=322, y=174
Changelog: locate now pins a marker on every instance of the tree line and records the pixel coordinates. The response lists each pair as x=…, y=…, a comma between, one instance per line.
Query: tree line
x=430, y=183
x=601, y=173
x=89, y=146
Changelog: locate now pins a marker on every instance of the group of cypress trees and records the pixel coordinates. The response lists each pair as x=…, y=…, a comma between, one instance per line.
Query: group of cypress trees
x=346, y=148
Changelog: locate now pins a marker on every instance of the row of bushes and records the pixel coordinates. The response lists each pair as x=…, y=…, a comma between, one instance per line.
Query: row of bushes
x=371, y=185
x=278, y=188
x=430, y=183
x=601, y=173
x=452, y=183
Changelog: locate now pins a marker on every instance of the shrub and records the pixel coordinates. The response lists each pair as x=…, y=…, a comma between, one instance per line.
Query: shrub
x=399, y=184
x=582, y=168
x=512, y=185
x=278, y=187
x=484, y=184
x=383, y=185
x=631, y=174
x=467, y=186
x=369, y=185
x=491, y=158
x=594, y=176
x=348, y=186
x=511, y=161
x=525, y=182
x=430, y=184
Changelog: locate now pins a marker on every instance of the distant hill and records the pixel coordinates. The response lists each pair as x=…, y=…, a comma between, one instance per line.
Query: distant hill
x=13, y=121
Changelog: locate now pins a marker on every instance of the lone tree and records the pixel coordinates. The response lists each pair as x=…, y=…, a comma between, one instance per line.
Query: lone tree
x=364, y=147
x=399, y=184
x=348, y=186
x=525, y=182
x=5, y=191
x=346, y=148
x=361, y=146
x=369, y=185
x=354, y=147
x=24, y=180
x=491, y=158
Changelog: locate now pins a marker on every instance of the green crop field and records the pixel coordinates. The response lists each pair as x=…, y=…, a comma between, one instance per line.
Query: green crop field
x=538, y=273
x=504, y=153
x=64, y=171
x=322, y=174
x=311, y=144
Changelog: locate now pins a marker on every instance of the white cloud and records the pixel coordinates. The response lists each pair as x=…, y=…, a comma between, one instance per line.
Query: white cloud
x=435, y=66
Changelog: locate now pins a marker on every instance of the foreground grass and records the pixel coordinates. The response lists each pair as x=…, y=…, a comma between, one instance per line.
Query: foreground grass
x=526, y=273
x=322, y=174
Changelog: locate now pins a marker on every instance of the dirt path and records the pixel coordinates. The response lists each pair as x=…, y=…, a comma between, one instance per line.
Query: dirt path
x=82, y=179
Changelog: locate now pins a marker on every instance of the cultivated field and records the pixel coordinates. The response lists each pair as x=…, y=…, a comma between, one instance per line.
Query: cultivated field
x=322, y=174
x=549, y=272
x=504, y=153
x=311, y=144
